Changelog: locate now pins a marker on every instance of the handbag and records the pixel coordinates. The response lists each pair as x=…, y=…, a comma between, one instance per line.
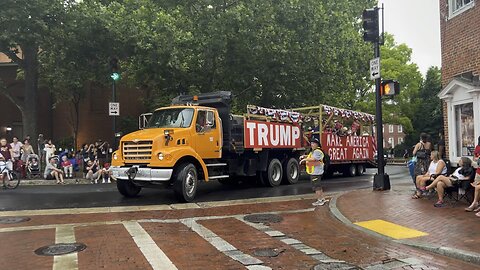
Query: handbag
x=421, y=153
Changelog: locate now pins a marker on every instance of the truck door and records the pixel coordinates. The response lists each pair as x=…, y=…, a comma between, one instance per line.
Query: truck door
x=208, y=138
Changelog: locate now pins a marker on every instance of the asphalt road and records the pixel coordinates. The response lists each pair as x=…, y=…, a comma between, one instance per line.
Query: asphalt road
x=106, y=195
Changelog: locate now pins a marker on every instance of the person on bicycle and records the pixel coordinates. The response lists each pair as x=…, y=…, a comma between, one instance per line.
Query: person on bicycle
x=6, y=154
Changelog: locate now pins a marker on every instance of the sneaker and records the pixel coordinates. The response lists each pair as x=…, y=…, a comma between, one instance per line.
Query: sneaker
x=319, y=202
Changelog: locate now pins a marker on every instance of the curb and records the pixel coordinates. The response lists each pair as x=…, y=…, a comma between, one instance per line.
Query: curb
x=42, y=182
x=467, y=256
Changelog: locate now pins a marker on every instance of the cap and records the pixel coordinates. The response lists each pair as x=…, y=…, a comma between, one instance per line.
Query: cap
x=315, y=140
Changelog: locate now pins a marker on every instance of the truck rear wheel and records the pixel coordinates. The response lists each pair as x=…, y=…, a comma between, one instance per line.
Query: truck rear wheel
x=127, y=188
x=350, y=170
x=186, y=182
x=273, y=176
x=360, y=169
x=291, y=171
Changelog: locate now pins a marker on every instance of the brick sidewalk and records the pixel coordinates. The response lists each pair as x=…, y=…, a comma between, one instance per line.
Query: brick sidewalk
x=447, y=227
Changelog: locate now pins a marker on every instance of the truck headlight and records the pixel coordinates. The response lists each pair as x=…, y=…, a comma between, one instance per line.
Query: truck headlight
x=160, y=156
x=115, y=157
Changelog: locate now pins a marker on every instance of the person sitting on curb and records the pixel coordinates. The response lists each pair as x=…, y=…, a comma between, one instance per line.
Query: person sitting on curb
x=107, y=174
x=437, y=167
x=464, y=172
x=67, y=167
x=52, y=172
x=91, y=171
x=314, y=166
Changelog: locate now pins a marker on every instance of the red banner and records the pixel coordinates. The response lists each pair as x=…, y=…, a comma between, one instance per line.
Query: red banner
x=348, y=147
x=259, y=134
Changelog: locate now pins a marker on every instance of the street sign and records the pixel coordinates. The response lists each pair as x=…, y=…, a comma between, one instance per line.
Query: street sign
x=114, y=109
x=375, y=68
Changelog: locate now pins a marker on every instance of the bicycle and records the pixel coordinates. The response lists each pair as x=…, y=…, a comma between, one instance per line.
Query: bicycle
x=10, y=179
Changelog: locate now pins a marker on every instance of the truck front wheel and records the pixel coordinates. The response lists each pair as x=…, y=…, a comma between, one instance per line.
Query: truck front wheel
x=291, y=171
x=273, y=176
x=186, y=182
x=127, y=188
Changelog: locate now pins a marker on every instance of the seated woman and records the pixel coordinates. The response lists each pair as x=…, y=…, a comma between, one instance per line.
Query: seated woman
x=463, y=172
x=476, y=198
x=437, y=167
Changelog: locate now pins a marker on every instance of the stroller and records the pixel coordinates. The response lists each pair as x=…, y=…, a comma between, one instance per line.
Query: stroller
x=33, y=167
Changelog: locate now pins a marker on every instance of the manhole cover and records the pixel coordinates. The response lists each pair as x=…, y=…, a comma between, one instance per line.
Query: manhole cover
x=263, y=218
x=60, y=249
x=266, y=252
x=13, y=220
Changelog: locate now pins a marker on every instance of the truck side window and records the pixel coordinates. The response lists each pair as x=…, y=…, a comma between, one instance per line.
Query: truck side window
x=201, y=123
x=211, y=120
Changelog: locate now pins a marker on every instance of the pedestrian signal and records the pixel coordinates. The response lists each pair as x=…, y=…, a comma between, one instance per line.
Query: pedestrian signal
x=389, y=88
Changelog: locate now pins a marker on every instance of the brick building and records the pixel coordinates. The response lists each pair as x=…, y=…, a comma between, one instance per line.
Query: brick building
x=55, y=122
x=460, y=43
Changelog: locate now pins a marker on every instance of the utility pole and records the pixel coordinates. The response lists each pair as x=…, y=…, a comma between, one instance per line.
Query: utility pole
x=381, y=180
x=115, y=75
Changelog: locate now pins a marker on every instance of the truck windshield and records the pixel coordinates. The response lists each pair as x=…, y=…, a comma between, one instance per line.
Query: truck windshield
x=171, y=118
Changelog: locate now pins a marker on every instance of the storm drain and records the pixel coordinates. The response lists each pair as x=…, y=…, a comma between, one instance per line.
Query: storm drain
x=267, y=252
x=13, y=220
x=60, y=249
x=263, y=218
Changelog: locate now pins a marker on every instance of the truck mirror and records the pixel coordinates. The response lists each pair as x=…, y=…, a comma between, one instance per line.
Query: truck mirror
x=210, y=119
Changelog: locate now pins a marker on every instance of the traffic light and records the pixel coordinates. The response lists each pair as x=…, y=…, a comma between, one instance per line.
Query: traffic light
x=115, y=76
x=389, y=88
x=370, y=25
x=114, y=65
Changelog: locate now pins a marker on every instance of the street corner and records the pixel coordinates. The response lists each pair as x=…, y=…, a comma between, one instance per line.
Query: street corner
x=394, y=216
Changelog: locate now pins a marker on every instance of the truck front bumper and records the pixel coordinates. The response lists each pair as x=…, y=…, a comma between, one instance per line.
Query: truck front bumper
x=143, y=174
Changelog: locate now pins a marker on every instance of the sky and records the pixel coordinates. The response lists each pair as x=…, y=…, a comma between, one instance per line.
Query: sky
x=417, y=24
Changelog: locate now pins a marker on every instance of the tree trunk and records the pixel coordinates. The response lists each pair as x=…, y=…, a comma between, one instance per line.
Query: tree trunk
x=29, y=112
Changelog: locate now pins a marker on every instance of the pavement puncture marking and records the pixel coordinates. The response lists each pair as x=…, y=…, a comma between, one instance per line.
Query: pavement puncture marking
x=390, y=229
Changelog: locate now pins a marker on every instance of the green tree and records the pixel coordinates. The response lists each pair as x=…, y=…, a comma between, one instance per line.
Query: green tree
x=24, y=27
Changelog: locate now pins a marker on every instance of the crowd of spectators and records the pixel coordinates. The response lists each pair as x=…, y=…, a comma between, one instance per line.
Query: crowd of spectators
x=91, y=162
x=431, y=176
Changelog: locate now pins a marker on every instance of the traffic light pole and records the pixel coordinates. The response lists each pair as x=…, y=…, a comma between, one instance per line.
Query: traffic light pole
x=381, y=180
x=114, y=146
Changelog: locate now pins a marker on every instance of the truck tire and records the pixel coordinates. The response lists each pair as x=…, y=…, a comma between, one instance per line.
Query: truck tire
x=360, y=169
x=186, y=182
x=127, y=188
x=291, y=171
x=350, y=170
x=273, y=176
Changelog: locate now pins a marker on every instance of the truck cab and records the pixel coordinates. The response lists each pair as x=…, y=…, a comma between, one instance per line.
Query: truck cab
x=174, y=135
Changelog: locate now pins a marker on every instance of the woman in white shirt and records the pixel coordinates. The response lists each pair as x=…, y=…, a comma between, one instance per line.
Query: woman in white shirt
x=464, y=172
x=49, y=151
x=436, y=167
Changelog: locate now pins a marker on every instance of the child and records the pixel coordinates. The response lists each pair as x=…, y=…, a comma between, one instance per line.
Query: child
x=67, y=167
x=107, y=173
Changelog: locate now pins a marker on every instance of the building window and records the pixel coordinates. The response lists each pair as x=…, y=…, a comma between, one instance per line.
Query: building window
x=464, y=125
x=400, y=128
x=390, y=128
x=458, y=6
x=400, y=140
x=391, y=142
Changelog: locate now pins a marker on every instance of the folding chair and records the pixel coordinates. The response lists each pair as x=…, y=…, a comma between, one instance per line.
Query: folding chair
x=461, y=190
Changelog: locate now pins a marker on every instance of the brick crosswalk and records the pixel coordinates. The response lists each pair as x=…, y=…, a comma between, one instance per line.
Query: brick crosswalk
x=211, y=238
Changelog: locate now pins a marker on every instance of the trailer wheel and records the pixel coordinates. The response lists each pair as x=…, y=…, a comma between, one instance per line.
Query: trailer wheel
x=350, y=170
x=360, y=169
x=273, y=176
x=127, y=188
x=186, y=182
x=291, y=171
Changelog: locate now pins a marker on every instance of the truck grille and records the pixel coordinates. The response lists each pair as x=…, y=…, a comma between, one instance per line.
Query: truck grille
x=141, y=150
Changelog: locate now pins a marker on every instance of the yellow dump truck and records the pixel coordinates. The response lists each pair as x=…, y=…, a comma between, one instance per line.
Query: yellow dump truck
x=197, y=138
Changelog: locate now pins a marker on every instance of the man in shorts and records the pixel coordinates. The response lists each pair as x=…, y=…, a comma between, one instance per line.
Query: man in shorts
x=314, y=166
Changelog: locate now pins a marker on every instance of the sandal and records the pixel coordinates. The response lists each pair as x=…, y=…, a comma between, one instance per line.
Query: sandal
x=471, y=207
x=439, y=204
x=477, y=214
x=476, y=209
x=416, y=196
